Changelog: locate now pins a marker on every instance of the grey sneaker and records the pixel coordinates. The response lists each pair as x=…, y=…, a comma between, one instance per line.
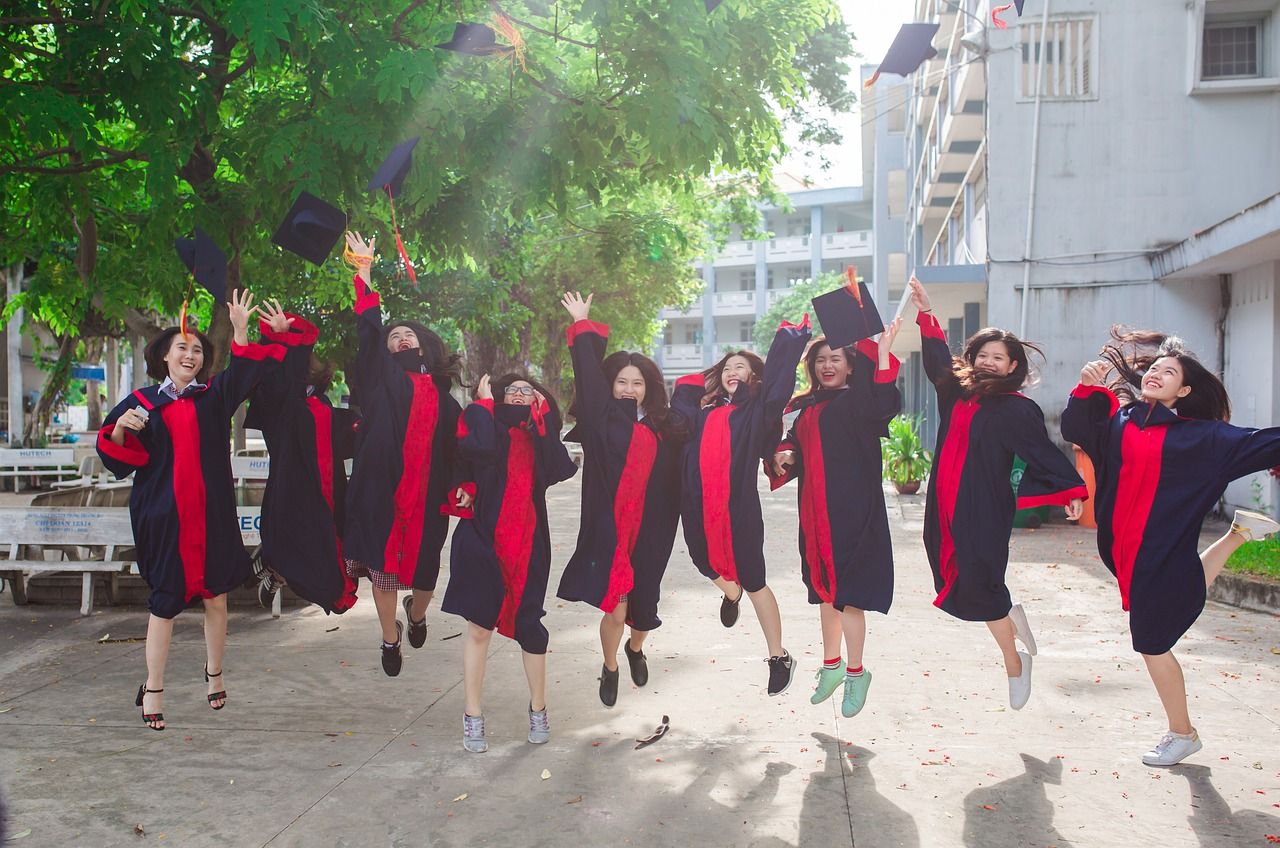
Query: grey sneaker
x=1020, y=687
x=1172, y=749
x=539, y=726
x=1021, y=629
x=473, y=734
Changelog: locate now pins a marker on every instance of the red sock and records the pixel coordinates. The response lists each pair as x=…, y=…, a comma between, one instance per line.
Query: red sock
x=853, y=671
x=835, y=663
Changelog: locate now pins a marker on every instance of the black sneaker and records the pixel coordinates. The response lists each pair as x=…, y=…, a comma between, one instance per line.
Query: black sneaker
x=417, y=629
x=781, y=672
x=391, y=658
x=729, y=609
x=608, y=686
x=639, y=666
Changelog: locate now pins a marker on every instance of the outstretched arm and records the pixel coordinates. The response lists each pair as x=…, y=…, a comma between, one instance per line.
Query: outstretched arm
x=1086, y=421
x=587, y=340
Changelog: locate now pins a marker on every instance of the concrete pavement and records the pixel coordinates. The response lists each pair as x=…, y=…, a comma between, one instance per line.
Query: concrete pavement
x=318, y=748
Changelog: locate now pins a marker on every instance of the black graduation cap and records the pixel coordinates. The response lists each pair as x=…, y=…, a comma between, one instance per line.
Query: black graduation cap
x=475, y=40
x=394, y=168
x=311, y=228
x=847, y=318
x=710, y=5
x=911, y=47
x=206, y=262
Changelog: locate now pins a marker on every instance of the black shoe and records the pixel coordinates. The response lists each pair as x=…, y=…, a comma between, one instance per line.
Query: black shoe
x=155, y=721
x=729, y=609
x=391, y=658
x=417, y=629
x=216, y=696
x=608, y=686
x=639, y=665
x=781, y=672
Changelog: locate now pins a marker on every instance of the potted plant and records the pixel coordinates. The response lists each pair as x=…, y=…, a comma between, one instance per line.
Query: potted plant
x=906, y=462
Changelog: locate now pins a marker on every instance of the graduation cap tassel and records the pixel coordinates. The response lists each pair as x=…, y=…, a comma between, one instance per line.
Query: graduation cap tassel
x=508, y=30
x=995, y=15
x=851, y=275
x=404, y=256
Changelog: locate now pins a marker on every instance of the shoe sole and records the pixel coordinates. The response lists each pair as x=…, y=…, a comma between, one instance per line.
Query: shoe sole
x=1196, y=750
x=533, y=741
x=483, y=750
x=1019, y=617
x=1269, y=525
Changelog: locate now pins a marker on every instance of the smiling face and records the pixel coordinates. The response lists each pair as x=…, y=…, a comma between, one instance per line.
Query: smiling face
x=184, y=360
x=519, y=393
x=629, y=384
x=1163, y=382
x=993, y=358
x=831, y=367
x=402, y=338
x=736, y=370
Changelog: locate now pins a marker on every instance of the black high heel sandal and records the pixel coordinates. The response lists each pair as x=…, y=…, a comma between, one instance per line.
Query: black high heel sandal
x=150, y=719
x=216, y=696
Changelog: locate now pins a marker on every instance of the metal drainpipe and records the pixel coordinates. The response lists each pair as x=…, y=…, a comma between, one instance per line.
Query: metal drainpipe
x=1031, y=180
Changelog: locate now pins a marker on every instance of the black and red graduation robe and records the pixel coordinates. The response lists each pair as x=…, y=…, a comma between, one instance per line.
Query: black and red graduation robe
x=403, y=462
x=303, y=506
x=968, y=517
x=629, y=480
x=500, y=559
x=183, y=503
x=719, y=504
x=846, y=555
x=1158, y=476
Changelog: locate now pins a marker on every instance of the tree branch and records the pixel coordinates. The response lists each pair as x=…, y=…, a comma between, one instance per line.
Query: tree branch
x=78, y=168
x=557, y=36
x=559, y=95
x=399, y=37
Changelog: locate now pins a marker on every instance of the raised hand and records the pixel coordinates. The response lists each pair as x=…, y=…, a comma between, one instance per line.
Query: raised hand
x=483, y=390
x=240, y=309
x=919, y=297
x=579, y=309
x=1095, y=373
x=273, y=313
x=885, y=344
x=360, y=253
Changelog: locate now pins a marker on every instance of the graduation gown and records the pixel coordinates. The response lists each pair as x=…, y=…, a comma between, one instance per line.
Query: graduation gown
x=620, y=457
x=303, y=506
x=846, y=555
x=968, y=517
x=403, y=460
x=719, y=504
x=500, y=560
x=183, y=505
x=1158, y=476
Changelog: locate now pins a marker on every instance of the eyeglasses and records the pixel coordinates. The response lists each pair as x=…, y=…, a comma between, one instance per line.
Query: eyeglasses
x=523, y=391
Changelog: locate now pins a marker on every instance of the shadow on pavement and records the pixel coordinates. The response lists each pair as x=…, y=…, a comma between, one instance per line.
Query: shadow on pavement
x=1016, y=811
x=1212, y=820
x=873, y=820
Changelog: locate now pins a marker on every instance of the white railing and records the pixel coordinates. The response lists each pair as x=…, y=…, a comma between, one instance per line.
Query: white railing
x=682, y=354
x=735, y=299
x=738, y=250
x=853, y=238
x=790, y=247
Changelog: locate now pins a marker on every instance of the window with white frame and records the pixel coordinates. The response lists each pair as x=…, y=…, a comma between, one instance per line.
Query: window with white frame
x=1070, y=59
x=1232, y=49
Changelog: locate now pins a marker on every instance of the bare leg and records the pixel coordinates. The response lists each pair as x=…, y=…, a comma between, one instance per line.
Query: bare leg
x=637, y=640
x=1003, y=630
x=1166, y=674
x=831, y=632
x=535, y=669
x=386, y=604
x=770, y=618
x=732, y=591
x=1216, y=555
x=612, y=626
x=421, y=600
x=159, y=635
x=475, y=655
x=854, y=623
x=215, y=640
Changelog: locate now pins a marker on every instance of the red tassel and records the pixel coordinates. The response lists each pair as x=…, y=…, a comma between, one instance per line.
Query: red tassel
x=182, y=320
x=404, y=256
x=995, y=15
x=851, y=274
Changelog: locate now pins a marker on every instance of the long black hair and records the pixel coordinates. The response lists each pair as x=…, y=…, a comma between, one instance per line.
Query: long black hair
x=657, y=406
x=1132, y=353
x=713, y=386
x=158, y=348
x=986, y=385
x=811, y=364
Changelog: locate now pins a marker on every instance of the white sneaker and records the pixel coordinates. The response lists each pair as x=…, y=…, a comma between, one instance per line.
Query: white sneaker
x=1022, y=629
x=1020, y=686
x=1172, y=749
x=1253, y=525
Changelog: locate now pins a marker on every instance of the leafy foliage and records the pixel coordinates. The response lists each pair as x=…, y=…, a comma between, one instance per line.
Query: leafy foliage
x=905, y=458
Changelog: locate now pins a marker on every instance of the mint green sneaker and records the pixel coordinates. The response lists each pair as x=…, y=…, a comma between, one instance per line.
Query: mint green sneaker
x=829, y=680
x=855, y=693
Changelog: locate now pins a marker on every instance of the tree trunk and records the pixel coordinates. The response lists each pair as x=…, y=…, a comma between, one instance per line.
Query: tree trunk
x=55, y=387
x=93, y=388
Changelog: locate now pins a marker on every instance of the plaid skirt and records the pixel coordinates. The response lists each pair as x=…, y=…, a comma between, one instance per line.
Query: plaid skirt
x=380, y=579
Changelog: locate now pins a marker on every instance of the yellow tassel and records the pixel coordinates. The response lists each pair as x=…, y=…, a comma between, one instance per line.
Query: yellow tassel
x=508, y=30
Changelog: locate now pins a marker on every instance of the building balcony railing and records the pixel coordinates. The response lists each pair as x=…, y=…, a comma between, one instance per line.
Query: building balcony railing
x=682, y=354
x=735, y=300
x=694, y=311
x=844, y=245
x=736, y=253
x=789, y=247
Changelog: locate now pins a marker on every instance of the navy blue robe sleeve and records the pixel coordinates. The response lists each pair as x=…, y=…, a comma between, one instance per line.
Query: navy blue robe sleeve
x=1086, y=421
x=266, y=402
x=936, y=356
x=872, y=395
x=123, y=460
x=1050, y=478
x=686, y=398
x=1247, y=450
x=552, y=456
x=249, y=364
x=587, y=340
x=478, y=433
x=374, y=364
x=785, y=353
